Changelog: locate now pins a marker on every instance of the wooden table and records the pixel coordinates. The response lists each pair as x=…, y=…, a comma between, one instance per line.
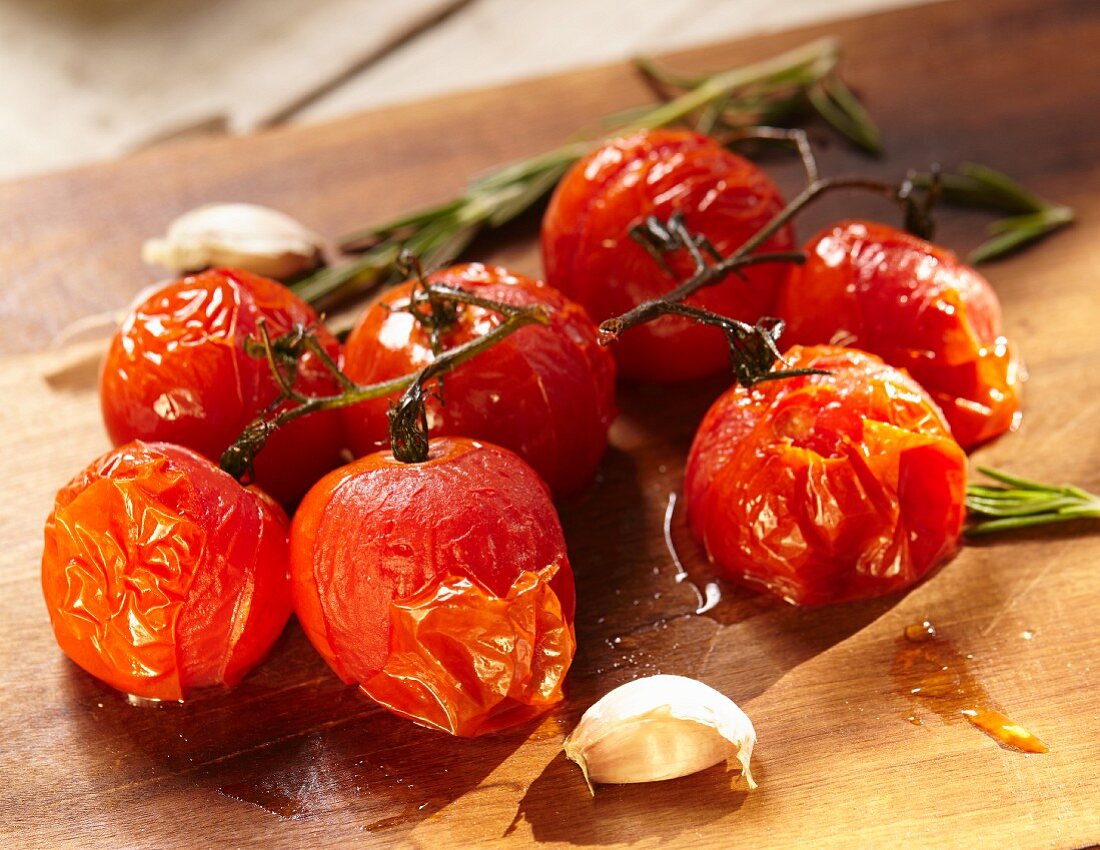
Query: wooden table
x=291, y=758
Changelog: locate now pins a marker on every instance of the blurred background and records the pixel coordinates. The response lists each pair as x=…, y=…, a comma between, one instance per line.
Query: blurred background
x=86, y=80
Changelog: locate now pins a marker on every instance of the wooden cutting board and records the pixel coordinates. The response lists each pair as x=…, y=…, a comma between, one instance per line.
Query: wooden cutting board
x=293, y=759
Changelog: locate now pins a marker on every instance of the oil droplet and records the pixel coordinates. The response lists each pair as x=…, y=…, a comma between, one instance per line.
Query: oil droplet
x=411, y=812
x=1027, y=634
x=916, y=721
x=999, y=727
x=144, y=702
x=933, y=674
x=920, y=632
x=270, y=795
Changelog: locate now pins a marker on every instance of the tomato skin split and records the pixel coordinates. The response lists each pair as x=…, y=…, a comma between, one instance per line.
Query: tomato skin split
x=442, y=588
x=914, y=304
x=589, y=255
x=827, y=488
x=177, y=371
x=162, y=574
x=547, y=392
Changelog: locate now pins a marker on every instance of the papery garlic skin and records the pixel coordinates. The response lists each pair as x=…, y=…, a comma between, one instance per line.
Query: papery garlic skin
x=660, y=727
x=245, y=236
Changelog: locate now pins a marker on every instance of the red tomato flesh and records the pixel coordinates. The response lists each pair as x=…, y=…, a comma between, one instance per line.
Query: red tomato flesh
x=827, y=488
x=162, y=574
x=177, y=371
x=589, y=255
x=545, y=392
x=872, y=287
x=453, y=571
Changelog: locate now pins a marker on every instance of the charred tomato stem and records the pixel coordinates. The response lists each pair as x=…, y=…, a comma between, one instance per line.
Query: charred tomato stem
x=753, y=349
x=408, y=429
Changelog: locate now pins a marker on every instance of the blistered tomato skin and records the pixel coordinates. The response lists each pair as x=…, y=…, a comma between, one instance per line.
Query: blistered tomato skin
x=443, y=589
x=162, y=574
x=872, y=287
x=545, y=392
x=827, y=488
x=177, y=371
x=589, y=255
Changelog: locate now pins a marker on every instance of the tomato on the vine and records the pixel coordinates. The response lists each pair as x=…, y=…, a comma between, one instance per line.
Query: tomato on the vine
x=590, y=256
x=441, y=588
x=161, y=573
x=876, y=288
x=177, y=371
x=830, y=487
x=547, y=392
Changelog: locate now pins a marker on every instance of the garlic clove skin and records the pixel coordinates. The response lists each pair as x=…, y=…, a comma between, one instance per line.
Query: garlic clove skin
x=245, y=236
x=660, y=727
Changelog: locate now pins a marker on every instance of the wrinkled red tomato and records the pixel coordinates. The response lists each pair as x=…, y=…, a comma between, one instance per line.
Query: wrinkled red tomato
x=876, y=288
x=547, y=392
x=162, y=574
x=177, y=371
x=827, y=488
x=442, y=588
x=589, y=255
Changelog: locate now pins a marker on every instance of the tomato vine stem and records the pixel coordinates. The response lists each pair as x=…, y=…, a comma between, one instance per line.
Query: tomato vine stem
x=753, y=348
x=408, y=420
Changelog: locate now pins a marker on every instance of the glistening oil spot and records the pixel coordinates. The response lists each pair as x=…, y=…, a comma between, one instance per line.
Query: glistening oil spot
x=934, y=675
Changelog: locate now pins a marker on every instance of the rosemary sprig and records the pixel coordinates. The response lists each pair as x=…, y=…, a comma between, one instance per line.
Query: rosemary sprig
x=408, y=421
x=1029, y=219
x=732, y=99
x=1021, y=503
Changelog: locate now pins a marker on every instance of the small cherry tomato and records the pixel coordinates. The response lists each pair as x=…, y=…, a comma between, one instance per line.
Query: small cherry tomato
x=872, y=287
x=442, y=588
x=547, y=392
x=589, y=255
x=162, y=574
x=177, y=371
x=830, y=487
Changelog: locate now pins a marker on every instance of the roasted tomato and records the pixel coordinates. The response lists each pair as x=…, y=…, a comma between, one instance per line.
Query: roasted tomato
x=547, y=392
x=161, y=573
x=914, y=304
x=590, y=256
x=828, y=487
x=177, y=371
x=441, y=588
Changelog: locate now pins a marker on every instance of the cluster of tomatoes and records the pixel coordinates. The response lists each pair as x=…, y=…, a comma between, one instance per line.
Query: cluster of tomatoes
x=443, y=588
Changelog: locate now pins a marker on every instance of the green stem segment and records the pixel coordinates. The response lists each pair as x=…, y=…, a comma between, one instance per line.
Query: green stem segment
x=408, y=425
x=1016, y=502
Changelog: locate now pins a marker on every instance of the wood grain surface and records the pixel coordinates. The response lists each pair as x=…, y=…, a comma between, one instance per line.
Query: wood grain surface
x=292, y=758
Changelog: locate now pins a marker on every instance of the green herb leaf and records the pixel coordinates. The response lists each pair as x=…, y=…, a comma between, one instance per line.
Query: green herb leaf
x=1030, y=217
x=838, y=105
x=1021, y=503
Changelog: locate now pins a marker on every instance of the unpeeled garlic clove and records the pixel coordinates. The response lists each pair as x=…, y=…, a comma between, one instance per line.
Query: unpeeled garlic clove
x=660, y=727
x=245, y=236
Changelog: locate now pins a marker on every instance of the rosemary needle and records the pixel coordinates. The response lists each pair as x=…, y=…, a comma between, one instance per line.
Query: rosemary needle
x=1029, y=217
x=1016, y=502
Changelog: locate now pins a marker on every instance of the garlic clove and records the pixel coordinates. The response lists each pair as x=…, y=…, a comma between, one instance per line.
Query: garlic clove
x=660, y=727
x=245, y=236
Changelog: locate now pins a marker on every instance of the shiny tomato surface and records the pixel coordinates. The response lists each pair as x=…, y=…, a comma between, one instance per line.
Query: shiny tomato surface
x=162, y=574
x=876, y=288
x=827, y=488
x=442, y=588
x=547, y=392
x=589, y=255
x=177, y=371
